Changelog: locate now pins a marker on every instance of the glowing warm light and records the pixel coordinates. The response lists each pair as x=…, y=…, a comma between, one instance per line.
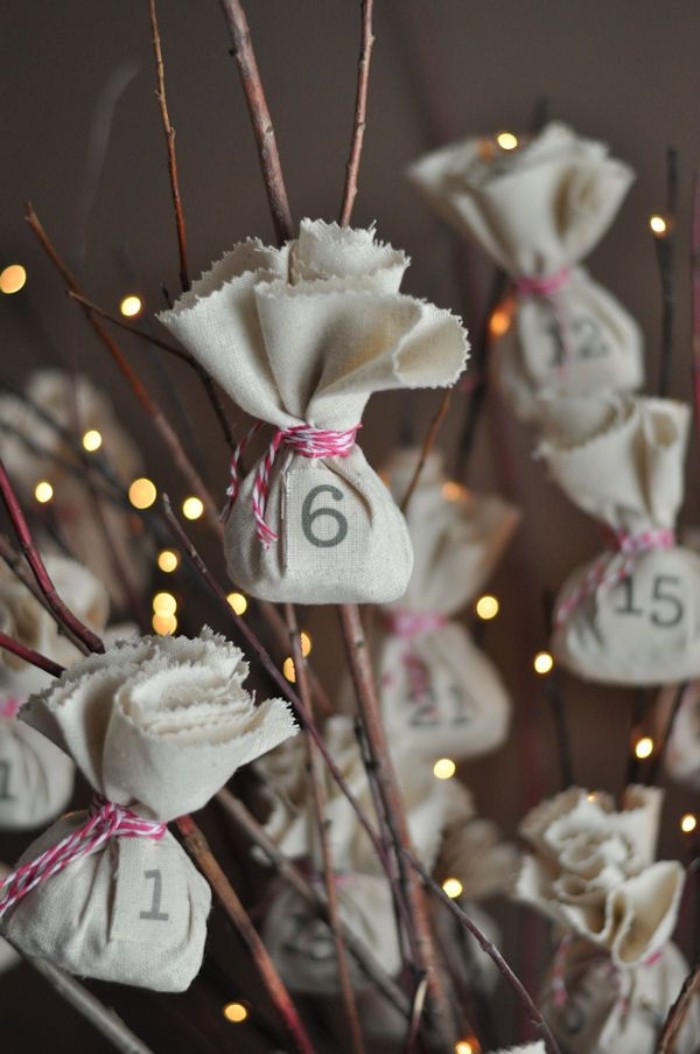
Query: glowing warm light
x=591, y=796
x=452, y=491
x=658, y=225
x=305, y=640
x=453, y=887
x=543, y=662
x=92, y=440
x=192, y=508
x=288, y=670
x=487, y=607
x=644, y=748
x=142, y=493
x=164, y=604
x=43, y=492
x=444, y=769
x=235, y=1012
x=688, y=823
x=131, y=306
x=164, y=625
x=168, y=560
x=12, y=279
x=507, y=141
x=499, y=323
x=468, y=1046
x=238, y=602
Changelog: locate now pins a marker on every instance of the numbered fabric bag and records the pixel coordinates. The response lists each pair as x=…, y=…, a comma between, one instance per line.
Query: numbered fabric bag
x=440, y=694
x=300, y=337
x=631, y=615
x=44, y=436
x=156, y=726
x=36, y=778
x=537, y=208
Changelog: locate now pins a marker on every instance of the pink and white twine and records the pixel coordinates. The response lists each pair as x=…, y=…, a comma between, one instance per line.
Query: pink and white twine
x=407, y=625
x=106, y=821
x=604, y=573
x=548, y=288
x=304, y=440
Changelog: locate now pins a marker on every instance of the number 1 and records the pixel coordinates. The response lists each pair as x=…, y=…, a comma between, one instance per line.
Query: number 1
x=154, y=913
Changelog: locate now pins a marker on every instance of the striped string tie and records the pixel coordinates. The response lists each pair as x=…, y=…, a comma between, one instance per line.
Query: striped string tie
x=10, y=706
x=407, y=625
x=304, y=440
x=106, y=820
x=604, y=573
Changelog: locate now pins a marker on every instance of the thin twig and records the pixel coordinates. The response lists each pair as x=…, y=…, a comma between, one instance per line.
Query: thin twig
x=89, y=640
x=428, y=444
x=695, y=276
x=360, y=119
x=170, y=141
x=284, y=867
x=318, y=800
x=677, y=1014
x=42, y=662
x=166, y=431
x=665, y=245
x=417, y=1007
x=263, y=128
x=198, y=848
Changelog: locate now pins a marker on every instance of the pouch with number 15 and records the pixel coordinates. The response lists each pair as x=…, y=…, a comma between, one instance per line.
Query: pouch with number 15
x=632, y=615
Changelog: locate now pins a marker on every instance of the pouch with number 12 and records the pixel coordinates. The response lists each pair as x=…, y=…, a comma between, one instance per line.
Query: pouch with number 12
x=632, y=615
x=300, y=337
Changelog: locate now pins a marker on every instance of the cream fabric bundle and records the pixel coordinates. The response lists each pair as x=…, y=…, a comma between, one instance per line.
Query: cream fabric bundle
x=300, y=337
x=632, y=616
x=440, y=694
x=77, y=407
x=537, y=211
x=682, y=754
x=36, y=779
x=608, y=1010
x=156, y=726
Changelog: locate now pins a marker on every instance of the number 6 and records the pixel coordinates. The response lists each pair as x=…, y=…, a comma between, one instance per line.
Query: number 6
x=308, y=517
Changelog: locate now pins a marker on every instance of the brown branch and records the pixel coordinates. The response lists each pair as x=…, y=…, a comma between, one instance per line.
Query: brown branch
x=360, y=121
x=170, y=141
x=63, y=615
x=417, y=1008
x=318, y=801
x=491, y=950
x=198, y=848
x=284, y=867
x=387, y=785
x=34, y=658
x=263, y=128
x=677, y=1014
x=428, y=444
x=166, y=431
x=171, y=349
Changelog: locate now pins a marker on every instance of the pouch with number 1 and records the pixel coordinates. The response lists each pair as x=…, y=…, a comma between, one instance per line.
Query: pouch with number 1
x=631, y=615
x=156, y=726
x=300, y=337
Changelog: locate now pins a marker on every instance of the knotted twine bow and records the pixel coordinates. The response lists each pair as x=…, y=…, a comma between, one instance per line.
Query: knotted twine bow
x=106, y=820
x=603, y=574
x=302, y=439
x=407, y=625
x=547, y=289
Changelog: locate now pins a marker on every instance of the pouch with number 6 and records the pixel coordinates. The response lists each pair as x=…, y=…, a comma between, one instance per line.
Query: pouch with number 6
x=156, y=726
x=300, y=337
x=632, y=615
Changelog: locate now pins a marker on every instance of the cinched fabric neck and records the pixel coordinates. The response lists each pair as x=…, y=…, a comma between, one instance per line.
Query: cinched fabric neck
x=544, y=287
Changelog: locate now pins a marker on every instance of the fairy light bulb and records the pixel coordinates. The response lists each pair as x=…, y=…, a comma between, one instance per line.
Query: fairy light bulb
x=453, y=888
x=658, y=225
x=43, y=492
x=688, y=823
x=238, y=602
x=289, y=671
x=12, y=279
x=168, y=561
x=192, y=508
x=507, y=141
x=92, y=440
x=305, y=641
x=452, y=491
x=543, y=663
x=487, y=607
x=444, y=769
x=142, y=493
x=164, y=625
x=468, y=1046
x=644, y=748
x=235, y=1012
x=499, y=322
x=164, y=604
x=131, y=306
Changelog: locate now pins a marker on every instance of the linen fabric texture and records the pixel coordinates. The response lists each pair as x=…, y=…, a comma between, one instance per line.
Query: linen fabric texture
x=440, y=694
x=620, y=459
x=156, y=725
x=537, y=211
x=302, y=336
